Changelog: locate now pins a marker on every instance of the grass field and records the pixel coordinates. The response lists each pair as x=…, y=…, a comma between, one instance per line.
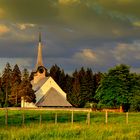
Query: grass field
x=44, y=128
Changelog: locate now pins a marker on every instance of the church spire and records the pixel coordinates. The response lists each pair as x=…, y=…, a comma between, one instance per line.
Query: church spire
x=39, y=54
x=40, y=37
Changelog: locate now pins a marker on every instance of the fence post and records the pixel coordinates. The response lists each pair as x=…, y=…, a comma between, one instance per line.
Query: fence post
x=106, y=117
x=55, y=118
x=89, y=118
x=40, y=119
x=23, y=119
x=72, y=117
x=126, y=117
x=6, y=117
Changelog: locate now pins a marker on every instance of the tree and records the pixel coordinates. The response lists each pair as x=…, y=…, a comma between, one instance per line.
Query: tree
x=135, y=90
x=25, y=89
x=74, y=95
x=90, y=85
x=114, y=90
x=15, y=97
x=59, y=76
x=2, y=97
x=68, y=84
x=55, y=72
x=6, y=82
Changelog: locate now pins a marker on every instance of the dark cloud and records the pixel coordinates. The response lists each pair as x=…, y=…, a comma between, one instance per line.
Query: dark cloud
x=68, y=28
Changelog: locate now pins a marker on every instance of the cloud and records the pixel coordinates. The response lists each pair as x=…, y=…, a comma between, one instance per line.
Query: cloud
x=90, y=57
x=86, y=55
x=93, y=33
x=2, y=13
x=127, y=52
x=22, y=63
x=25, y=26
x=136, y=23
x=4, y=29
x=69, y=1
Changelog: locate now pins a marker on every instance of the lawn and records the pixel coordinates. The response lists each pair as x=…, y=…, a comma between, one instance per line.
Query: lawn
x=40, y=125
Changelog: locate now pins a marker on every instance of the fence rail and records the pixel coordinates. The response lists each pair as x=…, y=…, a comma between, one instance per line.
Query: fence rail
x=23, y=116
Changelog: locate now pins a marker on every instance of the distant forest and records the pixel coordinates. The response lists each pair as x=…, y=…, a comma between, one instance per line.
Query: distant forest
x=84, y=88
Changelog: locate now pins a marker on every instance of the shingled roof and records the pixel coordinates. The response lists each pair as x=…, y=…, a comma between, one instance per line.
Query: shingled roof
x=52, y=99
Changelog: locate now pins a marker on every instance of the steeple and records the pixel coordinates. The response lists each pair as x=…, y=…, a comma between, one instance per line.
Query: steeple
x=39, y=54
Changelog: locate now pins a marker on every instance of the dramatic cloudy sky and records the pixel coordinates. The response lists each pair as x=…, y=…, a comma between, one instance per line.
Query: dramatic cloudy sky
x=92, y=33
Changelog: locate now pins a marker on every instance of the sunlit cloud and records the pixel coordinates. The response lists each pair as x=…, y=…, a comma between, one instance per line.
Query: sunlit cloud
x=137, y=23
x=86, y=55
x=69, y=1
x=25, y=26
x=3, y=29
x=93, y=57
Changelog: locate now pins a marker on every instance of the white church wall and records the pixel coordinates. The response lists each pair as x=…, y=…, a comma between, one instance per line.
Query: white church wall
x=50, y=83
x=26, y=104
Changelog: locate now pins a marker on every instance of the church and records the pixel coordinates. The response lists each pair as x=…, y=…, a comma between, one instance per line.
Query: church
x=47, y=91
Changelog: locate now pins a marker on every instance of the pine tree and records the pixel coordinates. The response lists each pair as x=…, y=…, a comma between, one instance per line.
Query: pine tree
x=68, y=84
x=55, y=73
x=2, y=97
x=62, y=80
x=25, y=89
x=90, y=86
x=74, y=96
x=6, y=82
x=15, y=97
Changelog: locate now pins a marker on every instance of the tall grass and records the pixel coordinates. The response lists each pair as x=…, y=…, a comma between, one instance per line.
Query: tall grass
x=65, y=130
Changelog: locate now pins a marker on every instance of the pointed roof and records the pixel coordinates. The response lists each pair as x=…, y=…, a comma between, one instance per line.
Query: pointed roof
x=39, y=54
x=53, y=98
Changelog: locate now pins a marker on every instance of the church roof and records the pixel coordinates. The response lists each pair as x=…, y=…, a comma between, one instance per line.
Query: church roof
x=39, y=84
x=53, y=98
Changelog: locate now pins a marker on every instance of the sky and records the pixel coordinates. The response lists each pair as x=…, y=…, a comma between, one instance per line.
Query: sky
x=98, y=34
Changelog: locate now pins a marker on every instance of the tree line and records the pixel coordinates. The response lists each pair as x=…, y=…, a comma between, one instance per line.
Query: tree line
x=117, y=87
x=14, y=85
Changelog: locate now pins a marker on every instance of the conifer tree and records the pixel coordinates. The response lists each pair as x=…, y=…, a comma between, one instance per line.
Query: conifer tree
x=15, y=97
x=1, y=94
x=6, y=82
x=74, y=96
x=26, y=90
x=55, y=73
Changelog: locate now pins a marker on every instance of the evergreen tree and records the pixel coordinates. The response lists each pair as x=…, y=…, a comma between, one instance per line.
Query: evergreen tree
x=90, y=85
x=15, y=97
x=74, y=96
x=55, y=73
x=68, y=84
x=59, y=76
x=25, y=75
x=6, y=82
x=2, y=97
x=25, y=89
x=62, y=80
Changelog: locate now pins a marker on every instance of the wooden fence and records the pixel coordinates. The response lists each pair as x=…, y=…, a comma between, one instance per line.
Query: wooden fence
x=22, y=116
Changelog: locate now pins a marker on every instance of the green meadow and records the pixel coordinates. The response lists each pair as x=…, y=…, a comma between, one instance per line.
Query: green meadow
x=57, y=125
